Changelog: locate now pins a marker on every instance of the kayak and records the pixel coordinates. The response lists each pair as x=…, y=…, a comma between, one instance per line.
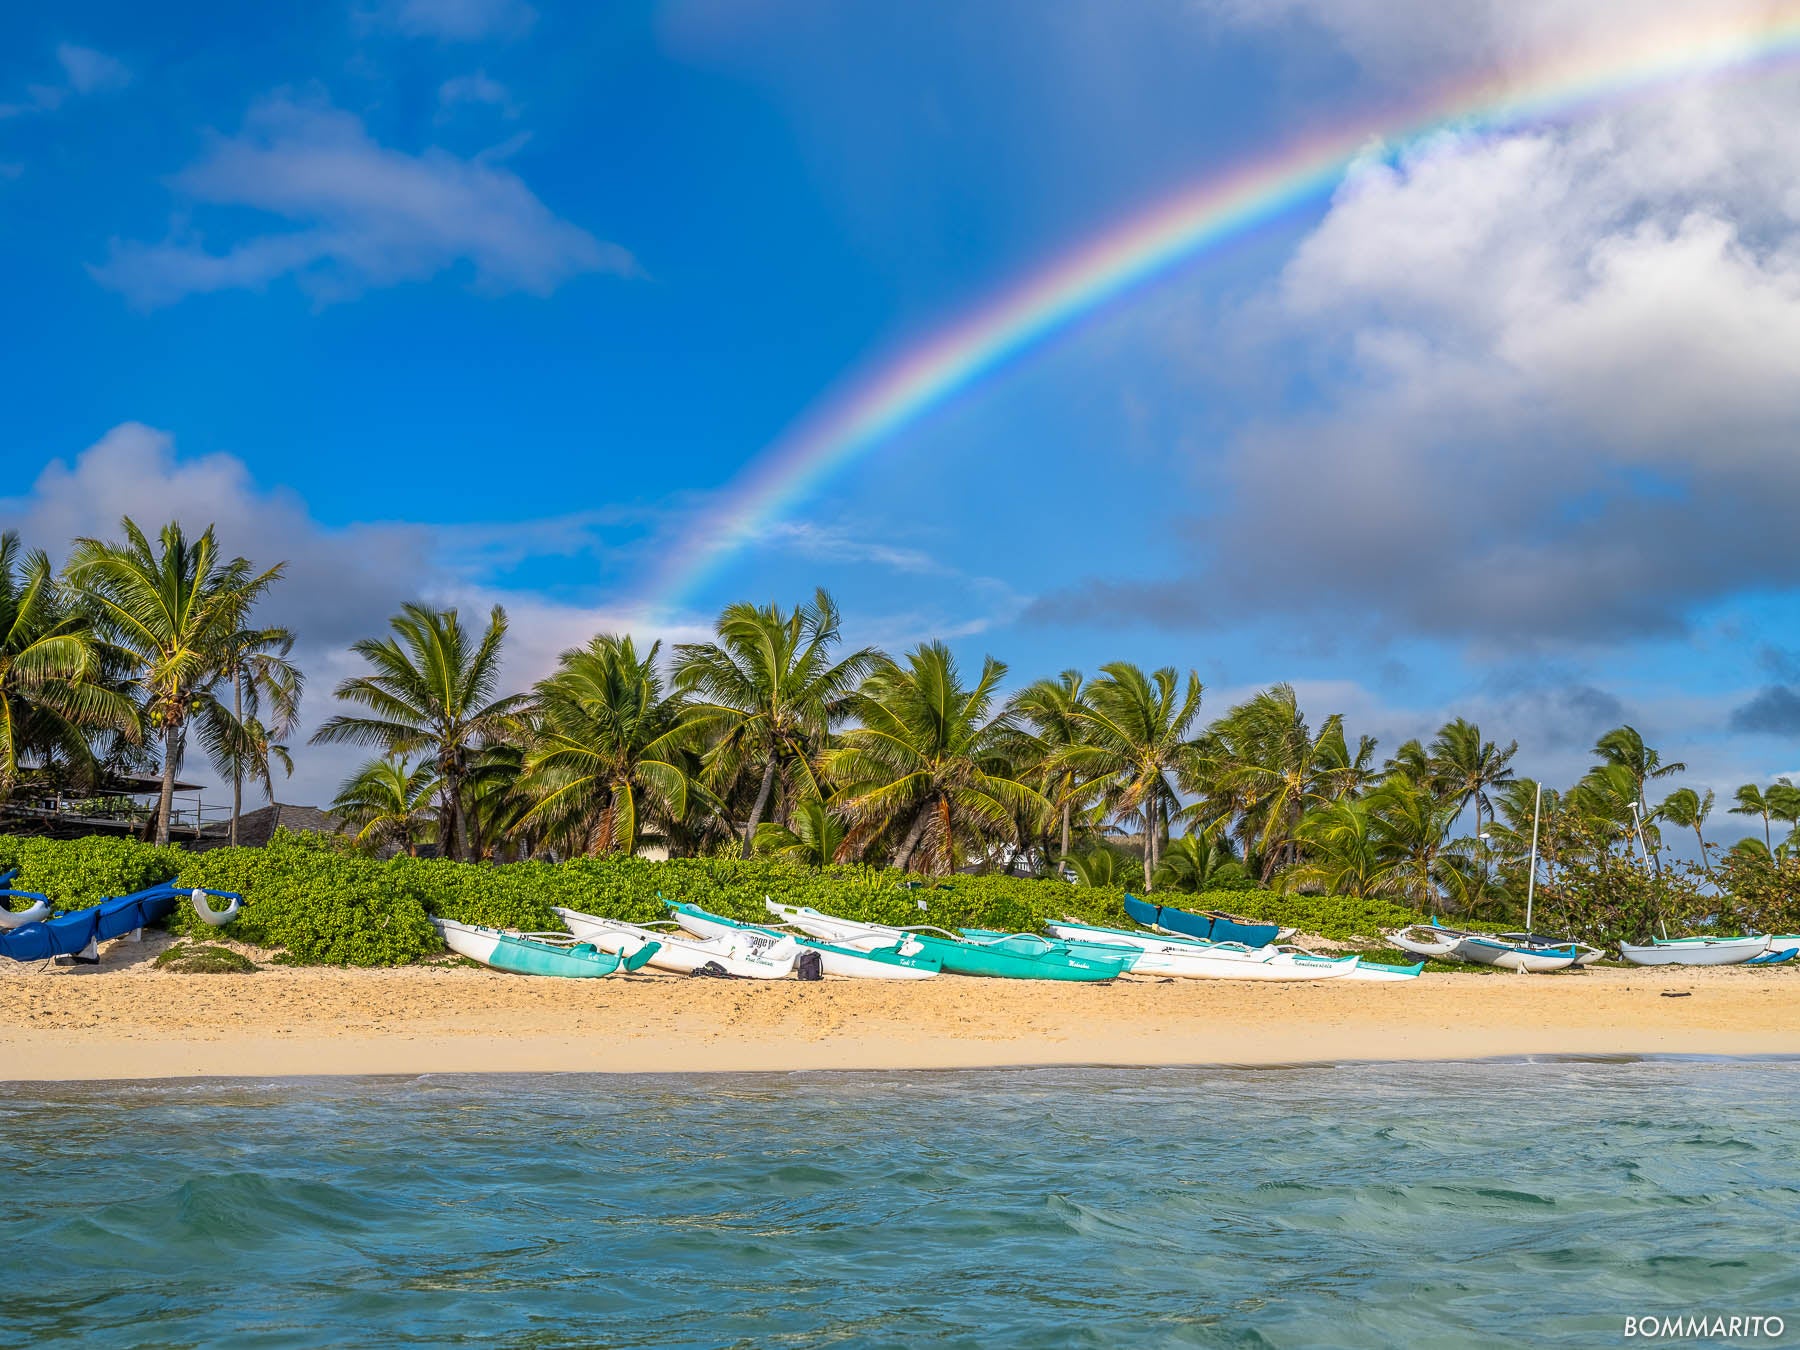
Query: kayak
x=677, y=953
x=864, y=963
x=557, y=954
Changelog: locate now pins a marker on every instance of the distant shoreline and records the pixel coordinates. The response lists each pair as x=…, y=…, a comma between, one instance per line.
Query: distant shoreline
x=137, y=1023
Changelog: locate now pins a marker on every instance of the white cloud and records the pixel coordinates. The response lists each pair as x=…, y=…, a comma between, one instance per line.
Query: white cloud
x=85, y=71
x=91, y=72
x=1557, y=379
x=341, y=583
x=479, y=89
x=363, y=215
x=458, y=20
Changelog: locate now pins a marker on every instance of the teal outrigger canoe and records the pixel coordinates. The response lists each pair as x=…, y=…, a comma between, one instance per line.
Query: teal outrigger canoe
x=1031, y=943
x=1018, y=956
x=556, y=954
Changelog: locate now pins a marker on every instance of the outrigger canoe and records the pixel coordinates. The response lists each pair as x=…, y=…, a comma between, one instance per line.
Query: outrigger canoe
x=679, y=953
x=558, y=954
x=1208, y=927
x=1033, y=959
x=77, y=932
x=1696, y=951
x=878, y=963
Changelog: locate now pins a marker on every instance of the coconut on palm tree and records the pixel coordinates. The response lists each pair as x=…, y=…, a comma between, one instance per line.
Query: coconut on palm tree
x=608, y=750
x=431, y=690
x=171, y=612
x=767, y=694
x=926, y=766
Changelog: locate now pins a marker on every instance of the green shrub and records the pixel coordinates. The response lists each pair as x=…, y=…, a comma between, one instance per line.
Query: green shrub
x=204, y=959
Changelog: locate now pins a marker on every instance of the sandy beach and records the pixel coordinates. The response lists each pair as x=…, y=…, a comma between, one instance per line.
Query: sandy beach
x=127, y=1020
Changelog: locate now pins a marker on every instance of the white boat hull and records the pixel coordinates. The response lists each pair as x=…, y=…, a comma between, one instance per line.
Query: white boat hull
x=1423, y=940
x=848, y=964
x=1489, y=952
x=36, y=913
x=1784, y=942
x=1696, y=951
x=676, y=955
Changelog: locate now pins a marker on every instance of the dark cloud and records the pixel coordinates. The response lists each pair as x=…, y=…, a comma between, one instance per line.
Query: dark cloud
x=1100, y=603
x=1774, y=711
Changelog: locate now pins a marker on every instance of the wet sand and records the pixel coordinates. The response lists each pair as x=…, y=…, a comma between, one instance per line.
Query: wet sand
x=126, y=1020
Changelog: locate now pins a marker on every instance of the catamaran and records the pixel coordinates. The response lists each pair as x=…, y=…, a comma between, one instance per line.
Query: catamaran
x=81, y=931
x=680, y=953
x=852, y=963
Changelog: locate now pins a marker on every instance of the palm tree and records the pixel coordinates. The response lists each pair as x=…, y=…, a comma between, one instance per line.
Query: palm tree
x=1410, y=826
x=1625, y=747
x=813, y=836
x=257, y=670
x=1469, y=766
x=1784, y=803
x=767, y=694
x=1139, y=736
x=390, y=800
x=1687, y=810
x=1098, y=867
x=1052, y=710
x=1752, y=802
x=172, y=613
x=1198, y=862
x=432, y=690
x=51, y=693
x=928, y=760
x=1344, y=853
x=608, y=751
x=1264, y=759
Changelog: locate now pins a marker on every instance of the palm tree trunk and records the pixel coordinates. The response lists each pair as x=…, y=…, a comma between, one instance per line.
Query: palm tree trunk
x=761, y=805
x=237, y=762
x=904, y=856
x=166, y=802
x=1067, y=812
x=451, y=842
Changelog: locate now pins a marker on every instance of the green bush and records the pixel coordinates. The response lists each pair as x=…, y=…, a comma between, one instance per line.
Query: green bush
x=190, y=958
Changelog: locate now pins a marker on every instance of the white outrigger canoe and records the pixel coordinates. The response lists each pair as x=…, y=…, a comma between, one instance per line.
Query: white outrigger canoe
x=1695, y=951
x=837, y=959
x=677, y=952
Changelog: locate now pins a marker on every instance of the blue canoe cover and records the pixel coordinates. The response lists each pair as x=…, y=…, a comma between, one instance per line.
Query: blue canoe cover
x=1141, y=912
x=1250, y=934
x=68, y=934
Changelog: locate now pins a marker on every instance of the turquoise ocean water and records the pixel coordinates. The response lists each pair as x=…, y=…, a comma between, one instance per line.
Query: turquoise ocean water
x=1537, y=1202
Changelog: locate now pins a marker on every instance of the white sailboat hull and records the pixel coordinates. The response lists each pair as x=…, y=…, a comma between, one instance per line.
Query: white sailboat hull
x=1489, y=952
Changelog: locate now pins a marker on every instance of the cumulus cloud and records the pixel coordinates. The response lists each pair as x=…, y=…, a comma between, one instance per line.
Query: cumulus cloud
x=458, y=20
x=360, y=215
x=341, y=583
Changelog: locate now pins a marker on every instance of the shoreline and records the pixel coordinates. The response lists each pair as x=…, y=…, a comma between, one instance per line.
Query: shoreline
x=126, y=1021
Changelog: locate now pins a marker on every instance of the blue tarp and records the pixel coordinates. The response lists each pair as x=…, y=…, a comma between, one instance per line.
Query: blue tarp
x=69, y=934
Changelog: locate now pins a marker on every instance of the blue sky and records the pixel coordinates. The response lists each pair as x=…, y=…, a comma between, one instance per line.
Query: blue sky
x=483, y=300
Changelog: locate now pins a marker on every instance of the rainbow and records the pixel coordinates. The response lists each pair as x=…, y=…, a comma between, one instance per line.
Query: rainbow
x=1180, y=228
